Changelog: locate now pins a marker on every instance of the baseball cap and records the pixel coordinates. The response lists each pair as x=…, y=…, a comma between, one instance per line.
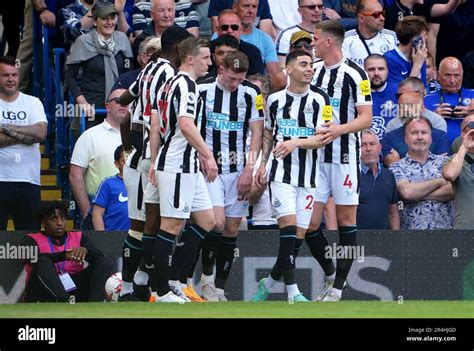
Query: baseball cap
x=299, y=35
x=173, y=35
x=103, y=8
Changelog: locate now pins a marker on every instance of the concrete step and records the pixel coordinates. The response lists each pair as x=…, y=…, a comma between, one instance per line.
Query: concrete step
x=50, y=192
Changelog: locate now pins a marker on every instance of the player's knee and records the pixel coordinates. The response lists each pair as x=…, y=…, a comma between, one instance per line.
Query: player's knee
x=219, y=225
x=209, y=223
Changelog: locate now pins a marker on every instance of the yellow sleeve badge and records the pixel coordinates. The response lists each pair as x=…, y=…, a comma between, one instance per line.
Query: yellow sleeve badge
x=259, y=102
x=327, y=113
x=365, y=87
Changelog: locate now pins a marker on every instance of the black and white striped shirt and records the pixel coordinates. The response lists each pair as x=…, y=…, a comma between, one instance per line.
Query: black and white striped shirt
x=225, y=121
x=178, y=97
x=347, y=86
x=292, y=116
x=146, y=87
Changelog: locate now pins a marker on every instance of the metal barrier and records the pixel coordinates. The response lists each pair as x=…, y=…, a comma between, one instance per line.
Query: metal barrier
x=47, y=85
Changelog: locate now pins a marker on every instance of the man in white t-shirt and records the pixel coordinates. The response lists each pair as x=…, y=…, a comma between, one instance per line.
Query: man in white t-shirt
x=23, y=126
x=369, y=37
x=311, y=13
x=92, y=159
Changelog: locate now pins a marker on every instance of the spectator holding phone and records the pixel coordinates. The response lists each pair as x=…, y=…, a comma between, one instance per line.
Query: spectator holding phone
x=409, y=58
x=459, y=170
x=453, y=102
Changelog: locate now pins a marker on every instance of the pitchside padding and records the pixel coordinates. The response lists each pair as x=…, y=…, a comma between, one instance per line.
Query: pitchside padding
x=391, y=266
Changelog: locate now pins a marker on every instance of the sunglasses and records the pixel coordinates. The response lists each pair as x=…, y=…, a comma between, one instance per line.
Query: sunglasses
x=225, y=27
x=302, y=46
x=376, y=14
x=313, y=7
x=116, y=100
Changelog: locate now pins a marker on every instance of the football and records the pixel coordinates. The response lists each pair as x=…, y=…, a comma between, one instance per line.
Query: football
x=113, y=286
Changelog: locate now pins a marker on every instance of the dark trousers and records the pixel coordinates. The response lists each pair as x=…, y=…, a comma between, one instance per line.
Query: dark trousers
x=44, y=284
x=21, y=201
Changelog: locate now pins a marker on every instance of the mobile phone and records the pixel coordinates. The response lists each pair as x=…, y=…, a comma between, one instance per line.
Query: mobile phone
x=417, y=41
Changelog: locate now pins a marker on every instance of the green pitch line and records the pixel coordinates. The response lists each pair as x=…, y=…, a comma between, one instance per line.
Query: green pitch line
x=345, y=309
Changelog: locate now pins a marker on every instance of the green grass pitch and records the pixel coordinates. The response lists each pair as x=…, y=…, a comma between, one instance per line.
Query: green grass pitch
x=344, y=309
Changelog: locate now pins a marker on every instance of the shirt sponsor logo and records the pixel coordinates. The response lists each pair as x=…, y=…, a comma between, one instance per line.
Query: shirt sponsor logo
x=220, y=121
x=289, y=128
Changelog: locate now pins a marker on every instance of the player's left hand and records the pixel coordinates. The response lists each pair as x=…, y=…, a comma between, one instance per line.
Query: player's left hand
x=244, y=183
x=329, y=132
x=285, y=148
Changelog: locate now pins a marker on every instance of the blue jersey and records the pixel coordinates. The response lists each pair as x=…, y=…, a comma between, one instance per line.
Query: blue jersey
x=399, y=67
x=456, y=99
x=384, y=108
x=112, y=196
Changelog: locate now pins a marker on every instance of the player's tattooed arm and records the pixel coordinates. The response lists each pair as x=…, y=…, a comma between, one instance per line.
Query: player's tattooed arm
x=267, y=145
x=28, y=135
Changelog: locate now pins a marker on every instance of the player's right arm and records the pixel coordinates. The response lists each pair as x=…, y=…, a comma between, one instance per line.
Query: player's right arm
x=192, y=135
x=267, y=146
x=155, y=144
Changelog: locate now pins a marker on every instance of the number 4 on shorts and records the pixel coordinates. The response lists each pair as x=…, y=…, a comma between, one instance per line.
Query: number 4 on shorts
x=347, y=182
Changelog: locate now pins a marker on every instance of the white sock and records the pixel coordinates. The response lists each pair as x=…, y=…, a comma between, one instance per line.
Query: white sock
x=182, y=285
x=220, y=291
x=292, y=290
x=174, y=283
x=331, y=277
x=269, y=283
x=127, y=287
x=207, y=279
x=190, y=281
x=337, y=292
x=140, y=278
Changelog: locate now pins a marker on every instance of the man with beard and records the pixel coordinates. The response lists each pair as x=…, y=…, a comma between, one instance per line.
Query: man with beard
x=383, y=93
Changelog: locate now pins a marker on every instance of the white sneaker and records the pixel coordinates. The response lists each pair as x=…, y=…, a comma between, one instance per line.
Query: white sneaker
x=221, y=297
x=179, y=292
x=208, y=291
x=169, y=297
x=327, y=286
x=331, y=296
